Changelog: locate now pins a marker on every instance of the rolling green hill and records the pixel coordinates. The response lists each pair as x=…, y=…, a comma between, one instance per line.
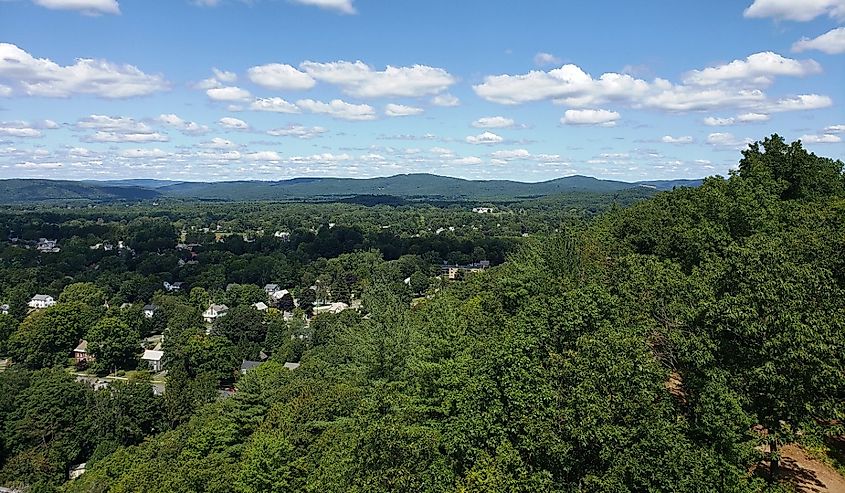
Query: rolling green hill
x=411, y=187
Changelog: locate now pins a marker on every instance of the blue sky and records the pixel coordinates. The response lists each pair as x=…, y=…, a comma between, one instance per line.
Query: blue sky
x=531, y=90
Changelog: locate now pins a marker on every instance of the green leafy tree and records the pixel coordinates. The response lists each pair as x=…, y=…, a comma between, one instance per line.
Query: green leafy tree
x=46, y=337
x=86, y=293
x=114, y=344
x=419, y=282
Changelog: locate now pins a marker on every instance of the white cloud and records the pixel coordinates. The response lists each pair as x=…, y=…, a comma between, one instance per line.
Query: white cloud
x=230, y=93
x=835, y=129
x=401, y=110
x=186, y=127
x=337, y=108
x=485, y=138
x=276, y=105
x=821, y=139
x=233, y=123
x=800, y=102
x=298, y=131
x=590, y=117
x=469, y=160
x=90, y=7
x=758, y=68
x=5, y=91
x=114, y=124
x=493, y=122
x=668, y=139
x=15, y=129
x=544, y=59
x=263, y=156
x=445, y=100
x=218, y=143
x=511, y=154
x=360, y=80
x=725, y=139
x=224, y=76
x=117, y=137
x=43, y=77
x=326, y=157
x=831, y=42
x=342, y=6
x=793, y=10
x=143, y=153
x=441, y=151
x=752, y=117
x=31, y=165
x=280, y=76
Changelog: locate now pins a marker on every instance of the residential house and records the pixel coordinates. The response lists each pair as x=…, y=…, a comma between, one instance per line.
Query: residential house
x=453, y=272
x=153, y=358
x=80, y=352
x=482, y=210
x=40, y=301
x=282, y=235
x=150, y=311
x=4, y=309
x=260, y=306
x=336, y=307
x=270, y=289
x=214, y=312
x=76, y=471
x=247, y=365
x=47, y=246
x=174, y=287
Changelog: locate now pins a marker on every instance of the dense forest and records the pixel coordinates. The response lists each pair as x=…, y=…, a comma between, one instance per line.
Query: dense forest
x=679, y=343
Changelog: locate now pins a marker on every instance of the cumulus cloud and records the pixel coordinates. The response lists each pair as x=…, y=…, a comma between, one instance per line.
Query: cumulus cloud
x=360, y=80
x=281, y=77
x=821, y=139
x=401, y=110
x=118, y=137
x=337, y=108
x=18, y=129
x=230, y=93
x=725, y=139
x=759, y=68
x=668, y=139
x=155, y=153
x=835, y=129
x=5, y=91
x=233, y=123
x=511, y=154
x=44, y=77
x=298, y=131
x=493, y=122
x=485, y=138
x=89, y=7
x=752, y=117
x=218, y=143
x=604, y=118
x=224, y=75
x=800, y=102
x=263, y=156
x=341, y=6
x=468, y=160
x=186, y=127
x=831, y=42
x=445, y=100
x=275, y=104
x=792, y=10
x=545, y=59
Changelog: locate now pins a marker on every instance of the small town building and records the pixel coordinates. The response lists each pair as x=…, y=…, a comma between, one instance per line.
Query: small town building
x=80, y=353
x=247, y=365
x=214, y=312
x=4, y=309
x=76, y=470
x=150, y=311
x=40, y=301
x=336, y=307
x=153, y=358
x=260, y=306
x=173, y=287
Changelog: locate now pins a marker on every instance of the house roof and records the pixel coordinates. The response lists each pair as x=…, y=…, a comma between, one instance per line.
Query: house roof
x=260, y=305
x=219, y=308
x=152, y=355
x=248, y=365
x=4, y=307
x=42, y=297
x=268, y=287
x=280, y=294
x=291, y=366
x=82, y=347
x=150, y=308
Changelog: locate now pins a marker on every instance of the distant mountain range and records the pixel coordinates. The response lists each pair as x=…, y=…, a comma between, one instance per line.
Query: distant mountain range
x=409, y=187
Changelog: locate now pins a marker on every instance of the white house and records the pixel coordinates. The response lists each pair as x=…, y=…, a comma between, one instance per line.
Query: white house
x=260, y=306
x=331, y=308
x=270, y=289
x=153, y=358
x=482, y=210
x=214, y=312
x=150, y=311
x=40, y=301
x=47, y=246
x=176, y=286
x=4, y=309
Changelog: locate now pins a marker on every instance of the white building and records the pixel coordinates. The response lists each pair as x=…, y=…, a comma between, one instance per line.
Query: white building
x=260, y=306
x=153, y=358
x=214, y=312
x=40, y=301
x=336, y=307
x=150, y=311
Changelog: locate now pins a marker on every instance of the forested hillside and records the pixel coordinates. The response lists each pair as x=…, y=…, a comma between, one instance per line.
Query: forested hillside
x=675, y=345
